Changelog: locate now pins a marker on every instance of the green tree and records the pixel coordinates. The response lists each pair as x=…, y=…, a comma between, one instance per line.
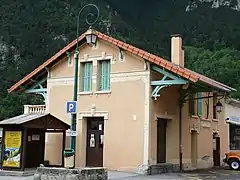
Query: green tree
x=222, y=65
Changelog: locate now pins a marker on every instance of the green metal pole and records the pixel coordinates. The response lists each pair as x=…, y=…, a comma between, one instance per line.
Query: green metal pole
x=74, y=116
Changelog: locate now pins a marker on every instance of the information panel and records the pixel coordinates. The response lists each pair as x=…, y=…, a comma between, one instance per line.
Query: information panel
x=12, y=150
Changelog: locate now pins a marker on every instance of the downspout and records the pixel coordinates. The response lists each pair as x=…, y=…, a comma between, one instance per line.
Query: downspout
x=180, y=130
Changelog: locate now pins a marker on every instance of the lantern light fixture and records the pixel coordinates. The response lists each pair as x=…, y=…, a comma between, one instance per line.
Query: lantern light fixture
x=91, y=36
x=219, y=107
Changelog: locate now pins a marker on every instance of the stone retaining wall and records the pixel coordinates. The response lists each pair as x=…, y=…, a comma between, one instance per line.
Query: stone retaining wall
x=45, y=173
x=163, y=168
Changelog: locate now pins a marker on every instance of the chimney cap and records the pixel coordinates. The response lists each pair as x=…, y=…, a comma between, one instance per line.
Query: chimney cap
x=176, y=35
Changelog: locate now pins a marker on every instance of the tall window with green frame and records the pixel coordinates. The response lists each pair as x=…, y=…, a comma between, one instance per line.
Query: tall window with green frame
x=104, y=75
x=199, y=103
x=86, y=77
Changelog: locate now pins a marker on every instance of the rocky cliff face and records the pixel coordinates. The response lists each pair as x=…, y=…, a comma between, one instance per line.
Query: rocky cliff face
x=233, y=4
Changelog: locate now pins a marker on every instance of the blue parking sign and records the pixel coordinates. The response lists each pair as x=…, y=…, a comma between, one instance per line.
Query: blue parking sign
x=72, y=107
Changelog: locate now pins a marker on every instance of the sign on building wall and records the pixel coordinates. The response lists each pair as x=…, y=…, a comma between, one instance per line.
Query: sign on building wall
x=12, y=150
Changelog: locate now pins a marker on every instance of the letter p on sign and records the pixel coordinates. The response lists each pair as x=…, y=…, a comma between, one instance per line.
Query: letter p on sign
x=71, y=107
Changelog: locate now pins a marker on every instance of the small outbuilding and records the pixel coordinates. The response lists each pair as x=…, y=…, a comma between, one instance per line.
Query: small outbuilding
x=23, y=140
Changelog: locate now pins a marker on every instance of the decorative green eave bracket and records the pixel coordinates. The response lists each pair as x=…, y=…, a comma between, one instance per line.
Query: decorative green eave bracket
x=38, y=88
x=167, y=80
x=120, y=52
x=69, y=55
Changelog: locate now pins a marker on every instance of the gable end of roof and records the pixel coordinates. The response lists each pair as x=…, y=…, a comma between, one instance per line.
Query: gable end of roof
x=163, y=63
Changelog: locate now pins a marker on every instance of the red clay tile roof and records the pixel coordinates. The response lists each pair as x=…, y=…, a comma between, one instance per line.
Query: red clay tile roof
x=181, y=71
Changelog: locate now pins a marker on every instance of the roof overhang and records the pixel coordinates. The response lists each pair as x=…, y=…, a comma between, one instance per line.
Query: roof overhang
x=39, y=120
x=163, y=63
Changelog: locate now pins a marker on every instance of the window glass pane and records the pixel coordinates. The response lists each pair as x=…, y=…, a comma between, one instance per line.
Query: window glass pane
x=87, y=77
x=104, y=75
x=214, y=106
x=191, y=104
x=199, y=104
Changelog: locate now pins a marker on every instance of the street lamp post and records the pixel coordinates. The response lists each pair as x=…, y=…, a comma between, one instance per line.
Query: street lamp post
x=91, y=38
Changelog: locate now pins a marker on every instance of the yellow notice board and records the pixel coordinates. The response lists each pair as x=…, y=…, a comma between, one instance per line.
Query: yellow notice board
x=12, y=150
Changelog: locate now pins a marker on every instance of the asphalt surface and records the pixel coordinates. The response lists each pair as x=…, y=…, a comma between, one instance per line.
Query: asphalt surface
x=218, y=174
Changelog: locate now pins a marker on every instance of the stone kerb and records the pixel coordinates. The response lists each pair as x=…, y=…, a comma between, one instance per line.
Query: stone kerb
x=45, y=173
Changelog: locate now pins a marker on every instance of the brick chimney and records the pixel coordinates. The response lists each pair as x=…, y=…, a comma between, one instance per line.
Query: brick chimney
x=177, y=51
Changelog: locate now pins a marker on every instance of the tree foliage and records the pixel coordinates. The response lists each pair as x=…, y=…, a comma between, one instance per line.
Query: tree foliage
x=222, y=65
x=33, y=31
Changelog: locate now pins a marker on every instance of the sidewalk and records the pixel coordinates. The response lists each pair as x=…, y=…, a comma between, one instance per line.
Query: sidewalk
x=114, y=175
x=219, y=174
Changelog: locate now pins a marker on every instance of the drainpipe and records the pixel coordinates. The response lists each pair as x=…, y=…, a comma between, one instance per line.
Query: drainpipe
x=180, y=131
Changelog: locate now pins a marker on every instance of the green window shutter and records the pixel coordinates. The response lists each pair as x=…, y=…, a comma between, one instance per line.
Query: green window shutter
x=87, y=77
x=191, y=105
x=199, y=104
x=104, y=75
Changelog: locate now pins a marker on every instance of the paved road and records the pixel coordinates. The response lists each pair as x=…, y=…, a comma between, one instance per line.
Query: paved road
x=218, y=174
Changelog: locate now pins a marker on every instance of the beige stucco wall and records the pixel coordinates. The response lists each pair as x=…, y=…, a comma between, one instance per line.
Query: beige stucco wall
x=206, y=129
x=167, y=107
x=130, y=114
x=124, y=106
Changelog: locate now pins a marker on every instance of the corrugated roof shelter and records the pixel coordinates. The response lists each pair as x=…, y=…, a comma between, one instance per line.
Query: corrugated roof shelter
x=24, y=139
x=26, y=120
x=21, y=119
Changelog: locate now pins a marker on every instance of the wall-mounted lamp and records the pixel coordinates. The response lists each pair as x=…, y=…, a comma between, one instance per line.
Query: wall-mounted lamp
x=219, y=107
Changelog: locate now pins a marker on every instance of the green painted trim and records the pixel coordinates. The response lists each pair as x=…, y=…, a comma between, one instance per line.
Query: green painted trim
x=86, y=85
x=104, y=73
x=155, y=93
x=168, y=82
x=48, y=72
x=164, y=72
x=44, y=95
x=33, y=80
x=175, y=80
x=39, y=83
x=193, y=89
x=36, y=90
x=120, y=52
x=199, y=104
x=69, y=55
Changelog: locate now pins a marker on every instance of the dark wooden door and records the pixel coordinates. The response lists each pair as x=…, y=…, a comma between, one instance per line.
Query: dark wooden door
x=161, y=140
x=95, y=136
x=216, y=151
x=35, y=148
